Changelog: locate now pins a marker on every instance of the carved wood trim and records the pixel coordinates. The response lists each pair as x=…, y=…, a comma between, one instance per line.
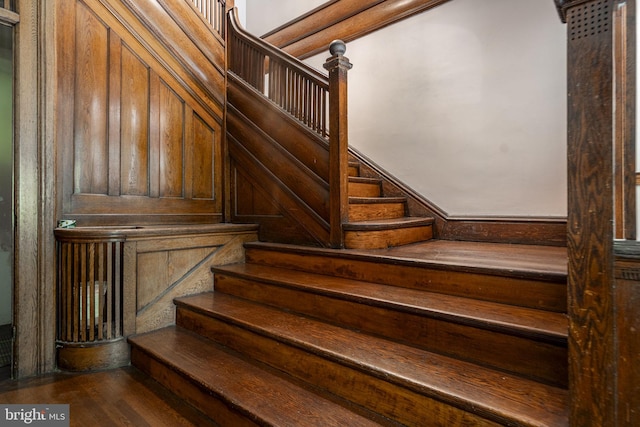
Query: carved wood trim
x=624, y=35
x=344, y=20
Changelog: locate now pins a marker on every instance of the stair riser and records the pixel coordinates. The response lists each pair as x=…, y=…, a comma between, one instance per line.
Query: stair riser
x=391, y=400
x=386, y=238
x=358, y=189
x=188, y=390
x=373, y=211
x=544, y=361
x=507, y=290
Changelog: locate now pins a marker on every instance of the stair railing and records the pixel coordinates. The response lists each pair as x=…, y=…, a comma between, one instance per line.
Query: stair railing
x=213, y=12
x=317, y=101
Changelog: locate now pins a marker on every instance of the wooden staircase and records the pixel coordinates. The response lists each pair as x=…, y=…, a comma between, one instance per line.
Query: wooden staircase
x=377, y=221
x=431, y=334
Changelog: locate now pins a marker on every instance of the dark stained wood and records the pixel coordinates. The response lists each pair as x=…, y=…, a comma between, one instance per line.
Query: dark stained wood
x=625, y=139
x=171, y=144
x=316, y=228
x=485, y=333
x=137, y=115
x=386, y=233
x=627, y=297
x=90, y=148
x=213, y=12
x=517, y=230
x=347, y=21
x=484, y=271
x=114, y=282
x=351, y=365
x=36, y=147
x=229, y=390
x=248, y=106
x=339, y=210
x=291, y=171
x=134, y=128
x=592, y=359
x=375, y=208
x=294, y=86
x=118, y=397
x=206, y=160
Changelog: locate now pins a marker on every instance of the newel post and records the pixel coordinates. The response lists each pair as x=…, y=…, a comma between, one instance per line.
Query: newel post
x=337, y=66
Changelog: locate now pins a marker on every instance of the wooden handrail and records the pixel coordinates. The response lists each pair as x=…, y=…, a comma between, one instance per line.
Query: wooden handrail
x=317, y=101
x=213, y=12
x=294, y=86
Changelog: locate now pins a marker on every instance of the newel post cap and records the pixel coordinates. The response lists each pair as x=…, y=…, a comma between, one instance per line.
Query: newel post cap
x=337, y=47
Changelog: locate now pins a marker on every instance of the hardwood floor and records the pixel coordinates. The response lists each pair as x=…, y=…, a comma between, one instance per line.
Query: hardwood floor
x=122, y=397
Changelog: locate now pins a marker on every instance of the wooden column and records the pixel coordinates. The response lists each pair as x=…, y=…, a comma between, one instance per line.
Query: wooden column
x=337, y=66
x=592, y=358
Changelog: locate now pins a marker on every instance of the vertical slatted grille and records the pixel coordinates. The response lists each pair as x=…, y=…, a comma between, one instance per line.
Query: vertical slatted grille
x=90, y=287
x=8, y=4
x=293, y=88
x=589, y=20
x=213, y=12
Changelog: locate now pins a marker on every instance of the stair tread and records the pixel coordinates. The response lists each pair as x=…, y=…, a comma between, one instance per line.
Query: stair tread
x=510, y=398
x=388, y=223
x=376, y=200
x=364, y=180
x=245, y=386
x=490, y=258
x=549, y=326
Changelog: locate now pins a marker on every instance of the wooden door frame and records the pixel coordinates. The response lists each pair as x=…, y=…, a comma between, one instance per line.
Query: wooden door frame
x=35, y=207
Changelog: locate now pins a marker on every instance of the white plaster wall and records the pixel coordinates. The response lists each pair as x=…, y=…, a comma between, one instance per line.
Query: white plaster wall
x=466, y=104
x=242, y=11
x=266, y=15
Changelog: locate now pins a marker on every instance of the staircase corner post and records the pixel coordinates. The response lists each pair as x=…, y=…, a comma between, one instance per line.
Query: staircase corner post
x=337, y=65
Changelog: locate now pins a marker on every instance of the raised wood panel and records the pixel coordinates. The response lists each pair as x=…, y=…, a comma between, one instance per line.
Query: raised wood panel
x=249, y=200
x=141, y=131
x=134, y=125
x=157, y=269
x=292, y=222
x=91, y=103
x=171, y=144
x=204, y=159
x=167, y=268
x=289, y=171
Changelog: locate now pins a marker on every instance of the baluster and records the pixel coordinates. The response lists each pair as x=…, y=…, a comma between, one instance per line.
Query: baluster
x=110, y=287
x=91, y=292
x=118, y=288
x=101, y=288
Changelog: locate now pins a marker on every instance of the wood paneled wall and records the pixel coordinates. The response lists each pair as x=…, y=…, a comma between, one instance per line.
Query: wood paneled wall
x=139, y=133
x=171, y=266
